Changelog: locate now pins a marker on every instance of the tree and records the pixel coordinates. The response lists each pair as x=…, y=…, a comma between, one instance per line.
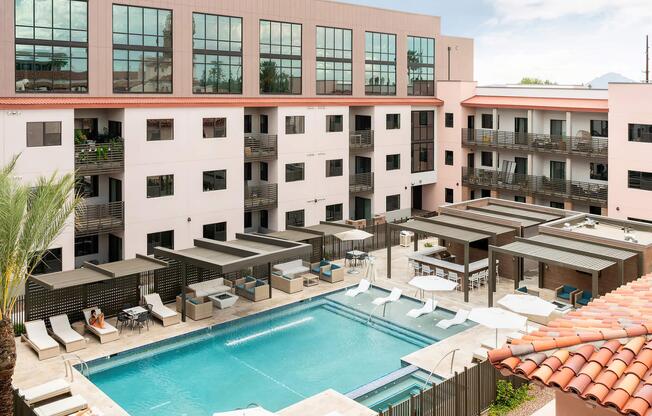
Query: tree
x=31, y=217
x=535, y=81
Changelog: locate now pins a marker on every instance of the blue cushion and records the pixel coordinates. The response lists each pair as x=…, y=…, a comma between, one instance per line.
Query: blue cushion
x=335, y=266
x=315, y=269
x=324, y=263
x=522, y=289
x=564, y=295
x=327, y=273
x=568, y=289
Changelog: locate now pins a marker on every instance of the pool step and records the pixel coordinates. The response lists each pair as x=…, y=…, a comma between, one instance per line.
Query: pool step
x=381, y=382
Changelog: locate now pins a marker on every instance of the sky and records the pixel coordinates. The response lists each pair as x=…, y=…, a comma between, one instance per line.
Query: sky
x=564, y=41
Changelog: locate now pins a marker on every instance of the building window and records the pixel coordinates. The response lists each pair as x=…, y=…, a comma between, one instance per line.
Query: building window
x=639, y=180
x=51, y=46
x=393, y=121
x=421, y=66
x=280, y=58
x=334, y=168
x=47, y=133
x=595, y=210
x=485, y=193
x=247, y=123
x=214, y=180
x=449, y=195
x=449, y=120
x=393, y=162
x=163, y=239
x=264, y=171
x=158, y=186
x=334, y=124
x=558, y=128
x=423, y=157
x=599, y=171
x=264, y=218
x=214, y=128
x=161, y=129
x=640, y=133
x=423, y=126
x=380, y=63
x=392, y=203
x=599, y=128
x=334, y=61
x=487, y=159
x=51, y=262
x=216, y=231
x=86, y=246
x=518, y=198
x=294, y=172
x=487, y=121
x=295, y=218
x=142, y=50
x=295, y=124
x=87, y=186
x=248, y=223
x=217, y=54
x=247, y=171
x=555, y=204
x=334, y=212
x=448, y=158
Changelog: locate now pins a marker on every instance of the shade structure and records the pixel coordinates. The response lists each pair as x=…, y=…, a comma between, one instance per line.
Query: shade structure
x=497, y=318
x=527, y=305
x=433, y=284
x=254, y=411
x=353, y=235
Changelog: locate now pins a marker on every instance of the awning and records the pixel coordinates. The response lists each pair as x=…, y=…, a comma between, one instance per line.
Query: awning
x=329, y=228
x=431, y=228
x=586, y=247
x=472, y=224
x=539, y=103
x=519, y=213
x=293, y=235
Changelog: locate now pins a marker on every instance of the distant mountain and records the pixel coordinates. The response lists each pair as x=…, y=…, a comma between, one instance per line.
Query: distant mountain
x=603, y=81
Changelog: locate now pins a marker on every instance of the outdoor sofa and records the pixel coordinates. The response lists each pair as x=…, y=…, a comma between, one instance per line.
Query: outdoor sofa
x=207, y=288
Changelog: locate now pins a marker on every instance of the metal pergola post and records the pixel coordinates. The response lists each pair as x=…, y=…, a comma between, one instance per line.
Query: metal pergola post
x=388, y=231
x=269, y=278
x=595, y=289
x=184, y=281
x=492, y=276
x=465, y=282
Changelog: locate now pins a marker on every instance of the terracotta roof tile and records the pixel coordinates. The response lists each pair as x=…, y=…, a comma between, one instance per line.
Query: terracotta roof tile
x=636, y=406
x=616, y=398
x=561, y=378
x=596, y=392
x=579, y=384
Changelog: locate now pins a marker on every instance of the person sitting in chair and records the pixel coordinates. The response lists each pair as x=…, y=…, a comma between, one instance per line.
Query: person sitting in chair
x=96, y=320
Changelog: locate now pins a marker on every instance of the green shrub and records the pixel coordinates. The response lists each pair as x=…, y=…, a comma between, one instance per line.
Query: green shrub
x=19, y=329
x=428, y=245
x=508, y=398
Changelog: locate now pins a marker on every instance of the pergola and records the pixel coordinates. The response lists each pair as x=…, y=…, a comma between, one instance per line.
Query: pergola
x=587, y=257
x=315, y=235
x=460, y=230
x=222, y=257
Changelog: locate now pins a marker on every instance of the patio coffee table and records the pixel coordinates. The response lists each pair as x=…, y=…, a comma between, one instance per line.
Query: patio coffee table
x=310, y=279
x=223, y=300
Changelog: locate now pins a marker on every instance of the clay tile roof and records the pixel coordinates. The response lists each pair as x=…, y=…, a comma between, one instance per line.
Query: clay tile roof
x=600, y=352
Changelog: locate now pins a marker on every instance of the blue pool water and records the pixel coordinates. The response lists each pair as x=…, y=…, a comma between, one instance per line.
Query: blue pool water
x=274, y=359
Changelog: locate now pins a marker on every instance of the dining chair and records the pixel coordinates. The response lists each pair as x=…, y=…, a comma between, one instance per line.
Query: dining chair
x=425, y=270
x=123, y=319
x=440, y=273
x=455, y=278
x=142, y=320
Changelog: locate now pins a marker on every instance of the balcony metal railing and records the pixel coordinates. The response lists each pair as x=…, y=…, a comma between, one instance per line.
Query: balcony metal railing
x=261, y=197
x=536, y=185
x=361, y=182
x=361, y=140
x=260, y=147
x=99, y=158
x=99, y=219
x=497, y=139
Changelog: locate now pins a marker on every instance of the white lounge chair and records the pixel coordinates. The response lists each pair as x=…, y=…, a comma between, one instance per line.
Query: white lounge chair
x=37, y=337
x=363, y=286
x=429, y=307
x=45, y=391
x=394, y=295
x=63, y=332
x=161, y=312
x=107, y=334
x=459, y=318
x=62, y=407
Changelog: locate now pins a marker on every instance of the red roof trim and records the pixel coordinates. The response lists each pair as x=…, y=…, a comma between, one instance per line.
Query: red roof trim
x=589, y=105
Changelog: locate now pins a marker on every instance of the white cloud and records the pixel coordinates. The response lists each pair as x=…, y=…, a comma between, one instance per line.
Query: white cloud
x=567, y=41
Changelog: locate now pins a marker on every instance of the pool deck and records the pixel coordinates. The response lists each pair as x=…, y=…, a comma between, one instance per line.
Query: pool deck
x=30, y=371
x=326, y=402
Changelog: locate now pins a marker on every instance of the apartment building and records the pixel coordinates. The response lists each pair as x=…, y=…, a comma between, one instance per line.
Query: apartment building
x=195, y=118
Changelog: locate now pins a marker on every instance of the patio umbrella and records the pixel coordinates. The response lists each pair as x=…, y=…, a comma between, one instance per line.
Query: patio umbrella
x=527, y=305
x=370, y=273
x=353, y=235
x=497, y=318
x=254, y=411
x=432, y=284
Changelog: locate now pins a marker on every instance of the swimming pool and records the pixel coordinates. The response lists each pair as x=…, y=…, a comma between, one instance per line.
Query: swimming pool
x=273, y=359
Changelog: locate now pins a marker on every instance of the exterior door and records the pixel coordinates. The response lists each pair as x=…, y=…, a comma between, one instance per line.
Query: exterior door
x=264, y=124
x=417, y=197
x=470, y=160
x=520, y=130
x=557, y=170
x=362, y=208
x=362, y=164
x=115, y=190
x=115, y=248
x=521, y=165
x=362, y=123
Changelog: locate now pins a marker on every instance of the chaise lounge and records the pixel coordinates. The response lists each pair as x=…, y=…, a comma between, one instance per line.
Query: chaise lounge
x=46, y=391
x=107, y=334
x=37, y=337
x=460, y=317
x=68, y=406
x=63, y=332
x=161, y=312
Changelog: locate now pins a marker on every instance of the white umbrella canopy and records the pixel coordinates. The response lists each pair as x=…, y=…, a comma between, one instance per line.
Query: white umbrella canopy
x=497, y=318
x=432, y=284
x=527, y=305
x=353, y=235
x=254, y=411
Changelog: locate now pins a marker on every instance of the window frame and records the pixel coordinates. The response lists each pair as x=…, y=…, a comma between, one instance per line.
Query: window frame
x=211, y=178
x=300, y=213
x=643, y=180
x=449, y=158
x=487, y=121
x=300, y=167
x=294, y=127
x=597, y=174
x=161, y=186
x=414, y=67
x=374, y=67
x=214, y=127
x=160, y=234
x=329, y=64
x=449, y=195
x=338, y=171
x=391, y=201
x=449, y=120
x=330, y=123
x=643, y=136
x=87, y=245
x=272, y=57
x=206, y=230
x=159, y=121
x=333, y=208
x=393, y=121
x=482, y=159
x=603, y=130
x=391, y=162
x=44, y=133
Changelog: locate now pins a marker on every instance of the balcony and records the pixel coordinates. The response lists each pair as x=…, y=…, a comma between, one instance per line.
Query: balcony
x=536, y=185
x=99, y=158
x=259, y=197
x=99, y=219
x=362, y=140
x=260, y=147
x=361, y=182
x=531, y=142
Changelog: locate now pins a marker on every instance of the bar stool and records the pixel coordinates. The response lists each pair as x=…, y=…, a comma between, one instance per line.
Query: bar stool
x=426, y=271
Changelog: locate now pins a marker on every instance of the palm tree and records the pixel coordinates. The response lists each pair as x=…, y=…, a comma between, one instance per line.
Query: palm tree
x=31, y=217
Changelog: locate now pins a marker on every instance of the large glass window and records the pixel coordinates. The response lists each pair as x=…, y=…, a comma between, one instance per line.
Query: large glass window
x=160, y=239
x=423, y=158
x=295, y=124
x=51, y=261
x=51, y=46
x=334, y=124
x=142, y=49
x=334, y=212
x=280, y=58
x=334, y=168
x=217, y=54
x=423, y=141
x=421, y=66
x=295, y=218
x=295, y=172
x=392, y=203
x=380, y=63
x=393, y=162
x=160, y=129
x=640, y=133
x=599, y=171
x=216, y=231
x=158, y=186
x=46, y=133
x=334, y=61
x=639, y=180
x=86, y=246
x=214, y=180
x=599, y=128
x=214, y=127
